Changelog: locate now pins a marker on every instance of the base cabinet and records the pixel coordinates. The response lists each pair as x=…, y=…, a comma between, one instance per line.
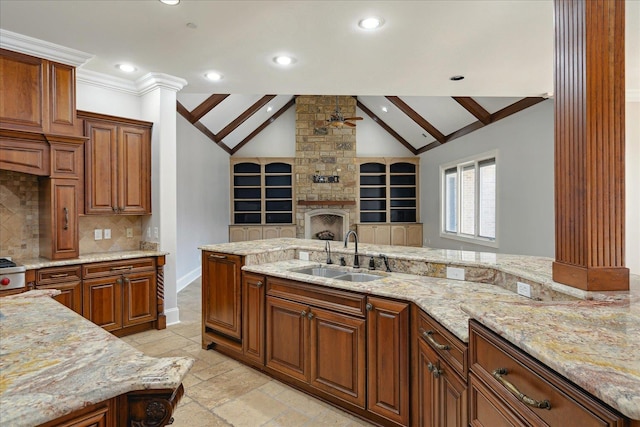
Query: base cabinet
x=68, y=280
x=243, y=233
x=391, y=234
x=253, y=317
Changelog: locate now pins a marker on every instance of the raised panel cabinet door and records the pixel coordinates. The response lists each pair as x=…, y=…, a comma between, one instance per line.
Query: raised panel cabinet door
x=366, y=233
x=382, y=235
x=22, y=86
x=253, y=317
x=254, y=233
x=288, y=231
x=388, y=359
x=139, y=298
x=65, y=219
x=222, y=297
x=270, y=232
x=427, y=387
x=287, y=338
x=337, y=355
x=237, y=234
x=70, y=294
x=414, y=235
x=103, y=302
x=134, y=170
x=62, y=98
x=100, y=170
x=398, y=235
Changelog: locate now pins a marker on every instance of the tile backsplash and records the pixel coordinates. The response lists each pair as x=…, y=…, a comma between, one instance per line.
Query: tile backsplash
x=118, y=225
x=19, y=223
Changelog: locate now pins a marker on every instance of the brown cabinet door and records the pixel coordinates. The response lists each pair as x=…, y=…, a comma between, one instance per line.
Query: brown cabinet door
x=65, y=204
x=100, y=171
x=442, y=396
x=134, y=170
x=222, y=295
x=388, y=359
x=253, y=317
x=288, y=338
x=70, y=294
x=337, y=355
x=139, y=298
x=62, y=98
x=22, y=85
x=103, y=302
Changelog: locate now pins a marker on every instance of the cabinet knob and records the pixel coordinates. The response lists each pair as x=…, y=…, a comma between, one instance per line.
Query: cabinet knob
x=119, y=281
x=259, y=284
x=303, y=313
x=369, y=306
x=310, y=316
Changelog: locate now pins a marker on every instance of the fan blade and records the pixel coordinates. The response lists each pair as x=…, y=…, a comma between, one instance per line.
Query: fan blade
x=335, y=124
x=353, y=118
x=350, y=124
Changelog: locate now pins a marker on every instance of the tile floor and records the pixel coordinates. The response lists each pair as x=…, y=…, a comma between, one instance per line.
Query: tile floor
x=222, y=392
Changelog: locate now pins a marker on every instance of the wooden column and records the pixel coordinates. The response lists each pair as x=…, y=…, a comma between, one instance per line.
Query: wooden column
x=589, y=144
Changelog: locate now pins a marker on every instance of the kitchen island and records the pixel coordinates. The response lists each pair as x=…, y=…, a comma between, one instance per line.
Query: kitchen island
x=56, y=365
x=590, y=339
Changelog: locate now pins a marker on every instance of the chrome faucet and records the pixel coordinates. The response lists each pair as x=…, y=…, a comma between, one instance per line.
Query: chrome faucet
x=327, y=249
x=356, y=260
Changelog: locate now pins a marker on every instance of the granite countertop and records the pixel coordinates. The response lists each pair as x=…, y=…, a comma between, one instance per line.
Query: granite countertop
x=36, y=263
x=593, y=339
x=54, y=362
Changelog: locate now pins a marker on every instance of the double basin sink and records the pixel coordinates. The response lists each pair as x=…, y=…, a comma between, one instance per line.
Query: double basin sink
x=338, y=274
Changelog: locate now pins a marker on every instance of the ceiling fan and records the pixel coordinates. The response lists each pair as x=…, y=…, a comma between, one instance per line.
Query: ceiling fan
x=338, y=120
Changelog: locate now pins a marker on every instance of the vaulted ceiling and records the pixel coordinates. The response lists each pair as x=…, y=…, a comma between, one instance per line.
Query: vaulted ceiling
x=503, y=48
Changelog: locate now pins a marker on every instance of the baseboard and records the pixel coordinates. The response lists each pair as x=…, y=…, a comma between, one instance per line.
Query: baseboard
x=185, y=280
x=173, y=316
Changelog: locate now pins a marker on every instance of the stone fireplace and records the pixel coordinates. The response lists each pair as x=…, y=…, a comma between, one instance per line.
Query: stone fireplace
x=333, y=223
x=326, y=151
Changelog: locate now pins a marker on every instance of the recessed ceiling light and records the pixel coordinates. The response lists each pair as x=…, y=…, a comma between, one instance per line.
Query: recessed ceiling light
x=269, y=109
x=284, y=60
x=170, y=2
x=127, y=68
x=384, y=109
x=213, y=75
x=456, y=78
x=371, y=23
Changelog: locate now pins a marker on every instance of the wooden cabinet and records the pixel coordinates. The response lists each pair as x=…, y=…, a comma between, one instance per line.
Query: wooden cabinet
x=117, y=165
x=439, y=390
x=274, y=232
x=58, y=218
x=390, y=234
x=377, y=234
x=40, y=94
x=510, y=388
x=222, y=299
x=388, y=359
x=253, y=317
x=406, y=235
x=68, y=280
x=120, y=296
x=243, y=233
x=306, y=325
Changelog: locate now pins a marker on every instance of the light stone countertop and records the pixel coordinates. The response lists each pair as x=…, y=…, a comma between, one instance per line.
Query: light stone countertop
x=54, y=362
x=594, y=340
x=36, y=263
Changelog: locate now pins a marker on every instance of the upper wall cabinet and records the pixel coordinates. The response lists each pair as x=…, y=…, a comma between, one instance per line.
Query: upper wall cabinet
x=37, y=95
x=117, y=165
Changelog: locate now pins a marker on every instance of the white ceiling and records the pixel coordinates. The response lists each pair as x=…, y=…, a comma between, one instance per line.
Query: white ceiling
x=504, y=48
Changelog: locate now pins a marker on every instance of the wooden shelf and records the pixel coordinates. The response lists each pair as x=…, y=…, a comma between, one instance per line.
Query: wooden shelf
x=326, y=202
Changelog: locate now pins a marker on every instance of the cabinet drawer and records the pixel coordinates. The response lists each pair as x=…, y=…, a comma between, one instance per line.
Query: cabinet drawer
x=50, y=275
x=495, y=362
x=318, y=296
x=450, y=348
x=100, y=269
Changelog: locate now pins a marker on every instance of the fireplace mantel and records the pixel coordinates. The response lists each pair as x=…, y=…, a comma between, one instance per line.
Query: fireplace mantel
x=326, y=202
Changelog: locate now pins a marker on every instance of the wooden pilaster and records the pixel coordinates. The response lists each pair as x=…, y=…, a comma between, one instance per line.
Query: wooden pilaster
x=589, y=144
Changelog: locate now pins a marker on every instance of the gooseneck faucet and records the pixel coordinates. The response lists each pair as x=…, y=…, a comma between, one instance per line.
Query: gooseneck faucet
x=356, y=260
x=327, y=249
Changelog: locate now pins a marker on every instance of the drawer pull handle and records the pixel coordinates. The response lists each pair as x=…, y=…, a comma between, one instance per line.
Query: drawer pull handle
x=434, y=369
x=58, y=276
x=66, y=218
x=542, y=404
x=124, y=267
x=217, y=257
x=428, y=336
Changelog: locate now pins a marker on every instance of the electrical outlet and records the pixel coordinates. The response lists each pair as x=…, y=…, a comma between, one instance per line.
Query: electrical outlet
x=129, y=232
x=524, y=289
x=156, y=232
x=455, y=273
x=303, y=256
x=107, y=233
x=97, y=234
x=148, y=232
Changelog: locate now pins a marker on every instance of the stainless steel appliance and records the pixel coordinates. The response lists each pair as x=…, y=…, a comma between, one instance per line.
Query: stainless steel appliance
x=11, y=274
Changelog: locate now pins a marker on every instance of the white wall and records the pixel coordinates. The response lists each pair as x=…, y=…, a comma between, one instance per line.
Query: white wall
x=106, y=101
x=525, y=182
x=203, y=198
x=373, y=141
x=632, y=198
x=276, y=140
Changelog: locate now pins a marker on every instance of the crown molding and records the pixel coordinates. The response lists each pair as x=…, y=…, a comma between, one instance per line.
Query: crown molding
x=151, y=81
x=42, y=49
x=140, y=87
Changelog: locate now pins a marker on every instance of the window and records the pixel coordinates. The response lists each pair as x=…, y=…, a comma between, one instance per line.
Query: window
x=469, y=199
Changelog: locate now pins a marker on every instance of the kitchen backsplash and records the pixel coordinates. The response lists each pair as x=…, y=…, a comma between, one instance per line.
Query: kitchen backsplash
x=118, y=225
x=19, y=226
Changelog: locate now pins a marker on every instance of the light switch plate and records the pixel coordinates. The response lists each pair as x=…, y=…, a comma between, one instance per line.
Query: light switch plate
x=97, y=234
x=107, y=233
x=524, y=289
x=303, y=256
x=455, y=273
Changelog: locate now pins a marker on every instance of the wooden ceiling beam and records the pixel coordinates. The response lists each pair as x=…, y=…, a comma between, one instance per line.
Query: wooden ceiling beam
x=209, y=104
x=266, y=123
x=182, y=110
x=386, y=127
x=474, y=108
x=515, y=108
x=421, y=121
x=202, y=128
x=243, y=117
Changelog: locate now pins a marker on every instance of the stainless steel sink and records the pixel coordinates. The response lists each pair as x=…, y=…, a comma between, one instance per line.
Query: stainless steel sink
x=358, y=277
x=321, y=271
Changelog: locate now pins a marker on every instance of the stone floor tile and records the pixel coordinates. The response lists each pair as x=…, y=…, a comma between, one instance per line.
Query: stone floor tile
x=249, y=410
x=194, y=415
